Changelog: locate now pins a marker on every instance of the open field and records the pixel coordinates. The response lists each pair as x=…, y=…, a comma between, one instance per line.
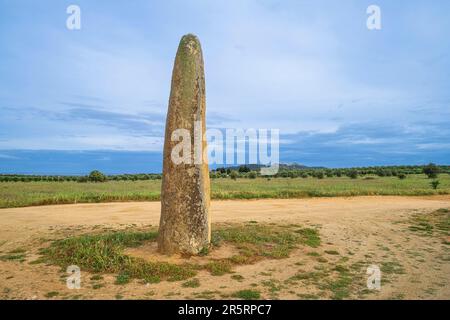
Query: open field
x=315, y=248
x=20, y=194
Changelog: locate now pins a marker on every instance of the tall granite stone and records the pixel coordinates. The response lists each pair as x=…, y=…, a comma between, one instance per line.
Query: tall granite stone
x=185, y=224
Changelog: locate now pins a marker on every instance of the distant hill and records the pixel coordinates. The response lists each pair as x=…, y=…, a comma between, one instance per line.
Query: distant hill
x=282, y=166
x=290, y=166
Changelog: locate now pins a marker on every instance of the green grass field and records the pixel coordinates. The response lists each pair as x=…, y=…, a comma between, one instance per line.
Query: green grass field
x=20, y=194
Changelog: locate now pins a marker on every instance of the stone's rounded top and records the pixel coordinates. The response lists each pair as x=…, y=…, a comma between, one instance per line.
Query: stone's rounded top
x=190, y=43
x=189, y=36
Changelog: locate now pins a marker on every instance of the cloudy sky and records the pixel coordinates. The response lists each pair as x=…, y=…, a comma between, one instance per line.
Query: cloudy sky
x=341, y=95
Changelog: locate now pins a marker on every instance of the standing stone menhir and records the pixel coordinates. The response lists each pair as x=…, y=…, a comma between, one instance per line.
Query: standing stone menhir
x=185, y=225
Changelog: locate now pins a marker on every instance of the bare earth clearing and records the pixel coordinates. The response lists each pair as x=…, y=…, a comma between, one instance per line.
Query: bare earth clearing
x=355, y=232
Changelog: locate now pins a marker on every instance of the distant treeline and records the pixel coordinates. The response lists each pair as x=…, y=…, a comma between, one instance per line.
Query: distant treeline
x=94, y=176
x=250, y=172
x=297, y=171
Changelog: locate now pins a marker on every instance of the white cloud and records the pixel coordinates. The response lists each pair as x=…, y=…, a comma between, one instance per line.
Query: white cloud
x=91, y=142
x=434, y=146
x=8, y=157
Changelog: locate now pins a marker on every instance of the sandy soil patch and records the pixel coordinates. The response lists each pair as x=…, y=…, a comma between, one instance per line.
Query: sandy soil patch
x=362, y=230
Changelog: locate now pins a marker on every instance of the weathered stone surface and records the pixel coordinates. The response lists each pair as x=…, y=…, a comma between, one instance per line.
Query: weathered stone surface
x=185, y=224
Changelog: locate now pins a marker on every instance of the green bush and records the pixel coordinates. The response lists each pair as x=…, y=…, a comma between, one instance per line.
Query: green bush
x=97, y=176
x=431, y=171
x=434, y=184
x=244, y=169
x=353, y=174
x=252, y=175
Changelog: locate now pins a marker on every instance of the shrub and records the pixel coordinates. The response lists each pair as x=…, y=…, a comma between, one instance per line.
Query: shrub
x=83, y=179
x=353, y=174
x=431, y=171
x=97, y=176
x=401, y=176
x=213, y=175
x=252, y=175
x=434, y=184
x=244, y=169
x=380, y=172
x=234, y=175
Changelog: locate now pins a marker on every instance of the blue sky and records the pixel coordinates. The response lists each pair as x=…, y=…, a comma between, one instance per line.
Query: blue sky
x=340, y=94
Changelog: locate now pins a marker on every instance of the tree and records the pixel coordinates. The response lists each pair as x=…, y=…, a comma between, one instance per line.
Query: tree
x=401, y=176
x=213, y=175
x=353, y=174
x=82, y=179
x=431, y=170
x=380, y=172
x=97, y=176
x=434, y=184
x=252, y=175
x=234, y=175
x=244, y=169
x=320, y=175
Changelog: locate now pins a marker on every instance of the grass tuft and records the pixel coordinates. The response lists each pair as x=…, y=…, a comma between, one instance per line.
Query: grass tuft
x=122, y=278
x=257, y=241
x=13, y=257
x=431, y=224
x=194, y=283
x=237, y=277
x=247, y=294
x=310, y=237
x=219, y=267
x=104, y=253
x=51, y=294
x=392, y=267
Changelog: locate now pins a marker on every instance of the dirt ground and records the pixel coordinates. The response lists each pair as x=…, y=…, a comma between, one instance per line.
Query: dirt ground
x=359, y=231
